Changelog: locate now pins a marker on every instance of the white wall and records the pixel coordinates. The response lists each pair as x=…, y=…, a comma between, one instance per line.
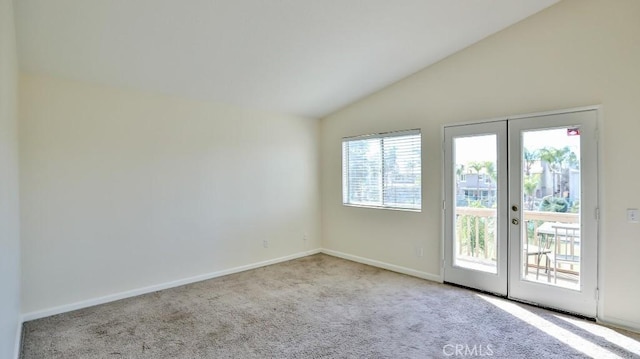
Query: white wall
x=9, y=207
x=122, y=189
x=576, y=53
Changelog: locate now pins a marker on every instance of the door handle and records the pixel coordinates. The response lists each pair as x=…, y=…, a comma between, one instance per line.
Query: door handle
x=515, y=221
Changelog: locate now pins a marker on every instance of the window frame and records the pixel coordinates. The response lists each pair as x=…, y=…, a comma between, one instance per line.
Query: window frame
x=346, y=178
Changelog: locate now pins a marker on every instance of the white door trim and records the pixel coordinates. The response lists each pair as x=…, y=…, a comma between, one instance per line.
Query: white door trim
x=600, y=243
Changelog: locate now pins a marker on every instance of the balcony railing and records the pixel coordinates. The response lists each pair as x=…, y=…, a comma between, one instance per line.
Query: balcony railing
x=476, y=230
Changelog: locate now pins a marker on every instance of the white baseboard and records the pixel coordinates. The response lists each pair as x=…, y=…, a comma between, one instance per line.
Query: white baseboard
x=619, y=323
x=605, y=320
x=135, y=292
x=18, y=341
x=391, y=267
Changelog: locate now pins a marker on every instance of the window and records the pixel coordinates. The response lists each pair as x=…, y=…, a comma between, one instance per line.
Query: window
x=383, y=170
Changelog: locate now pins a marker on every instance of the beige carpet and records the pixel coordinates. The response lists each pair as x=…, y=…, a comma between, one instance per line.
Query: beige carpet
x=320, y=307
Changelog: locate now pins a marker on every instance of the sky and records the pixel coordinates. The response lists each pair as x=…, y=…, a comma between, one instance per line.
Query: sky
x=483, y=148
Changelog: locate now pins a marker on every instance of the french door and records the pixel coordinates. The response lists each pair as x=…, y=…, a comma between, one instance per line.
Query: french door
x=521, y=209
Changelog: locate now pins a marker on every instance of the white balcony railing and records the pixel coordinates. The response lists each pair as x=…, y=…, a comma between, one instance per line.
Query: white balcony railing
x=476, y=232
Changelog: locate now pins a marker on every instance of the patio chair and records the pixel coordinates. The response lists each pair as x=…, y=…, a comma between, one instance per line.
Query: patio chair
x=566, y=248
x=541, y=248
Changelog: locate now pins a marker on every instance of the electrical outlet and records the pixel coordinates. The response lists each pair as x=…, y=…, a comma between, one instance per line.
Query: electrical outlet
x=632, y=215
x=305, y=237
x=265, y=243
x=419, y=251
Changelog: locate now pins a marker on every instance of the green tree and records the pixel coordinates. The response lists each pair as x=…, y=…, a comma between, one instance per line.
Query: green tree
x=530, y=184
x=560, y=160
x=490, y=170
x=530, y=157
x=459, y=171
x=554, y=204
x=477, y=167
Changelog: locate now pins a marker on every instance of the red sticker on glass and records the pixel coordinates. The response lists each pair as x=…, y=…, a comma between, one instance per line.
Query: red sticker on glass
x=573, y=132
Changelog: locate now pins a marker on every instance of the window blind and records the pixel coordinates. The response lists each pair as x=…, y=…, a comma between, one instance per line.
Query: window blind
x=383, y=170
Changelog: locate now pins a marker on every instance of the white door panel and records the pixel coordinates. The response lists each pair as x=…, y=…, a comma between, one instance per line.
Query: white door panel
x=476, y=197
x=566, y=240
x=520, y=204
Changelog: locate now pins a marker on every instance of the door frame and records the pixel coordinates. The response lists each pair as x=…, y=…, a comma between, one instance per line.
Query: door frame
x=600, y=243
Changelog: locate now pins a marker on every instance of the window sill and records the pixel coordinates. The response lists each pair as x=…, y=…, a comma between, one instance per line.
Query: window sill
x=383, y=207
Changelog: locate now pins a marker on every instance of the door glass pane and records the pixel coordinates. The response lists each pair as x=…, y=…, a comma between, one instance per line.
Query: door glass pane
x=475, y=191
x=551, y=206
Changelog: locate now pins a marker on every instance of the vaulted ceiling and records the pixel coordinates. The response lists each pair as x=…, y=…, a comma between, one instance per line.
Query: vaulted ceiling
x=302, y=57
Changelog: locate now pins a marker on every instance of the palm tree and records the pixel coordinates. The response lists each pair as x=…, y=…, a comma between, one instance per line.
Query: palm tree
x=530, y=184
x=530, y=157
x=560, y=160
x=459, y=172
x=477, y=166
x=490, y=169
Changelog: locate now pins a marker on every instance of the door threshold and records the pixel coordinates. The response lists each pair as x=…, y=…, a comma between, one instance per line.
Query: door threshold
x=477, y=290
x=533, y=304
